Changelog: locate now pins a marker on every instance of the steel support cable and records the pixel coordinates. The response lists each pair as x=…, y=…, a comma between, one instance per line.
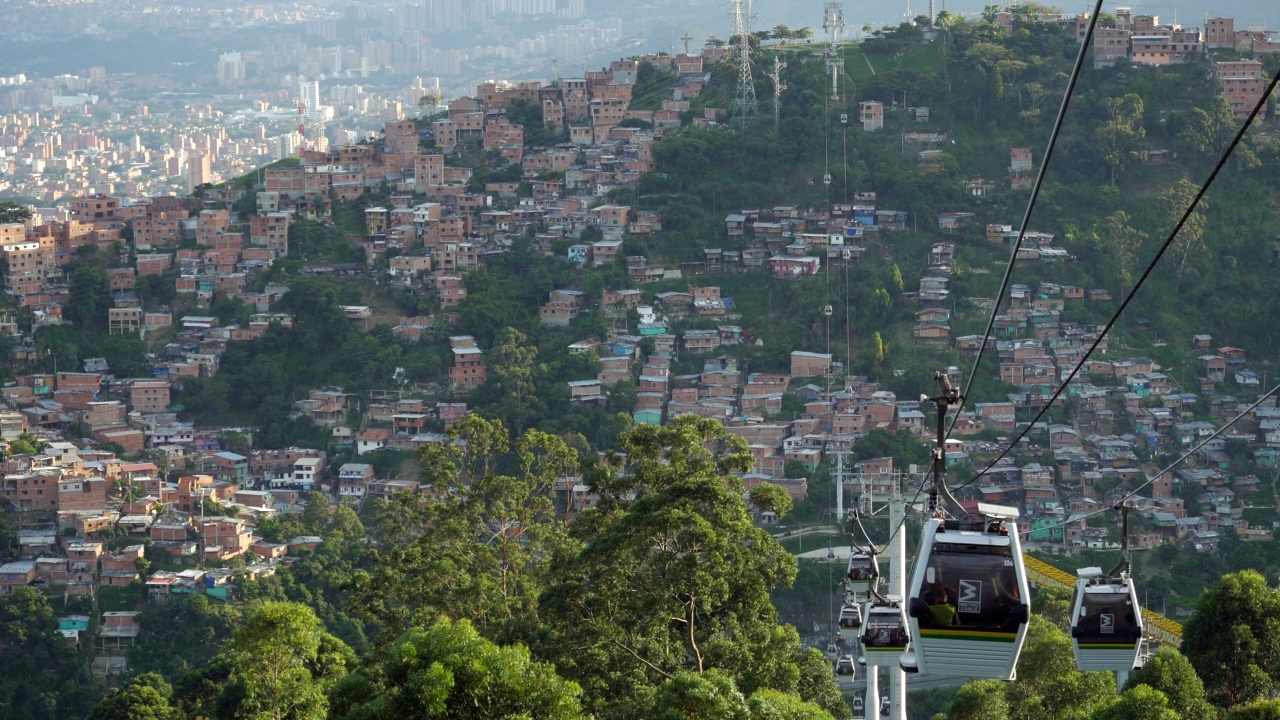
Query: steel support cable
x=1257, y=107
x=1181, y=458
x=1031, y=204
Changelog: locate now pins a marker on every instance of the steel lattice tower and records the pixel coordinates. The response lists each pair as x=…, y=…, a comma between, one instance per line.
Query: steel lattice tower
x=778, y=87
x=744, y=105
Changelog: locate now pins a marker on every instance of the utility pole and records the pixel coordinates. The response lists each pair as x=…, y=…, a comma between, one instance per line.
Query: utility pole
x=778, y=87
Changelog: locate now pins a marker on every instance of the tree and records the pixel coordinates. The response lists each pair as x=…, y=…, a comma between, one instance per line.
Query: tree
x=1120, y=242
x=26, y=444
x=669, y=575
x=1175, y=201
x=767, y=704
x=1233, y=640
x=1138, y=703
x=1053, y=604
x=12, y=212
x=895, y=278
x=182, y=634
x=146, y=697
x=1257, y=710
x=1048, y=683
x=877, y=349
x=711, y=696
x=980, y=700
x=88, y=295
x=41, y=676
x=767, y=496
x=449, y=671
x=1118, y=137
x=281, y=663
x=513, y=377
x=1171, y=673
x=481, y=550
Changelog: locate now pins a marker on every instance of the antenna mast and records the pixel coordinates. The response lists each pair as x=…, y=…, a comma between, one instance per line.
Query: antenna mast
x=744, y=105
x=833, y=26
x=778, y=87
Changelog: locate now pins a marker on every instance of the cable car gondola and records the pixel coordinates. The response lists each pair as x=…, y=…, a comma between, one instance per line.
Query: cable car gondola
x=1106, y=620
x=863, y=570
x=968, y=611
x=850, y=620
x=846, y=666
x=884, y=634
x=968, y=608
x=858, y=712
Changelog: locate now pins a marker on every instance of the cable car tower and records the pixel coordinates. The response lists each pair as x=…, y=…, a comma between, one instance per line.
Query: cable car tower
x=968, y=599
x=881, y=632
x=1106, y=620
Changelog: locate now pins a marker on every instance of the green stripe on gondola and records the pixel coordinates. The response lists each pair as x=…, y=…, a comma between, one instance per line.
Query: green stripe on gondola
x=1107, y=646
x=978, y=635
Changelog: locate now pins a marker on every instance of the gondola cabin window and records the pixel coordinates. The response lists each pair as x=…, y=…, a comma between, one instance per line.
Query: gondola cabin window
x=971, y=587
x=860, y=568
x=1107, y=617
x=884, y=631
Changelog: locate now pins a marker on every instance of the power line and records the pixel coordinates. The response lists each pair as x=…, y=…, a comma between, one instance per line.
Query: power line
x=1257, y=107
x=1031, y=203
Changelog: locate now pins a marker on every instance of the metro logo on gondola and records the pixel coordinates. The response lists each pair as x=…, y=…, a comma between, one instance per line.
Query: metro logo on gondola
x=1107, y=624
x=970, y=596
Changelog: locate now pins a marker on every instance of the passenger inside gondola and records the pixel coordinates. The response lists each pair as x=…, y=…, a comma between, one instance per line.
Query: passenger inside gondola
x=971, y=589
x=941, y=611
x=859, y=569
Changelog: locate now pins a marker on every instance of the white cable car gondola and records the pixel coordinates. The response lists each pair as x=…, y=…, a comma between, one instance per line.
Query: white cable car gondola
x=1106, y=620
x=858, y=712
x=846, y=666
x=968, y=611
x=968, y=608
x=884, y=634
x=850, y=620
x=863, y=570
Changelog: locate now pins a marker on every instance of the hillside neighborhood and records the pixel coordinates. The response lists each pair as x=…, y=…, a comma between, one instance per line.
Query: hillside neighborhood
x=111, y=476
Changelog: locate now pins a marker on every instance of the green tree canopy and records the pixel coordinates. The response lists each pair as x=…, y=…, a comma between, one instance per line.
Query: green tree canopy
x=1233, y=640
x=41, y=676
x=1138, y=703
x=12, y=212
x=281, y=664
x=146, y=697
x=449, y=671
x=670, y=575
x=1171, y=673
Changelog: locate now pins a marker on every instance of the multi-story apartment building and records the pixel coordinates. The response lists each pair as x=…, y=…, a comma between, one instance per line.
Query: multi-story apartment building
x=1242, y=82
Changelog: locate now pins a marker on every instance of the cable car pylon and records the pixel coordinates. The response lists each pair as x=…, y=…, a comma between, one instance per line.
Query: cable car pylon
x=968, y=598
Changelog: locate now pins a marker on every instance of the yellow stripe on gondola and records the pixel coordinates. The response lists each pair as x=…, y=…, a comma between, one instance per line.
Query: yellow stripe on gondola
x=969, y=635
